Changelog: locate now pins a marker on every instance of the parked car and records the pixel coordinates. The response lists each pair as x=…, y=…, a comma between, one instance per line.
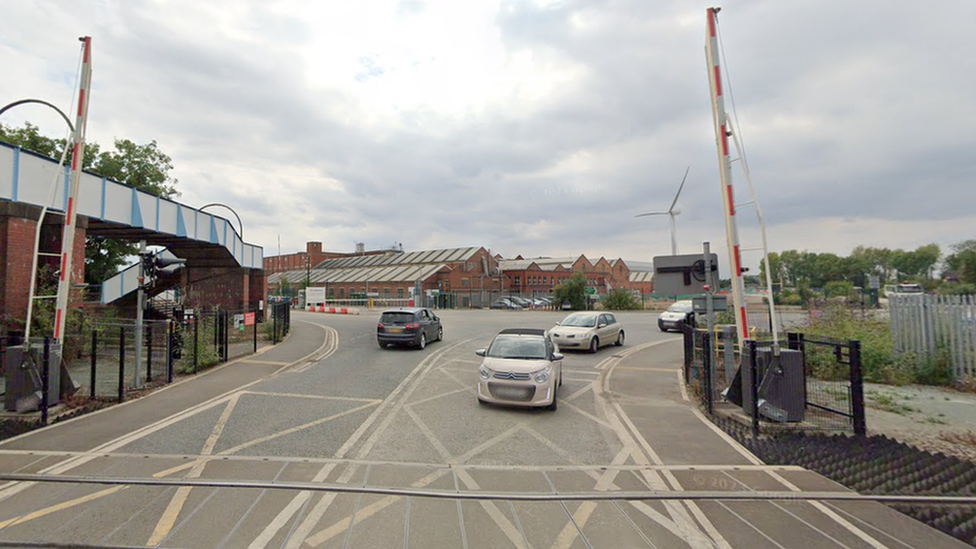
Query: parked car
x=505, y=303
x=413, y=326
x=521, y=301
x=680, y=312
x=588, y=330
x=522, y=367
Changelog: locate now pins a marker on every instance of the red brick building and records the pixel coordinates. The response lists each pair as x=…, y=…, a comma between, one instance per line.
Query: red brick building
x=314, y=254
x=539, y=276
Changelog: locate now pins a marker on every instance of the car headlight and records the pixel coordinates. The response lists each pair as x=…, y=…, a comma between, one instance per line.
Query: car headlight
x=542, y=376
x=485, y=372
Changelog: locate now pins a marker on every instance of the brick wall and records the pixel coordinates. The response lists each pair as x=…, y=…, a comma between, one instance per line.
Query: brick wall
x=18, y=224
x=224, y=287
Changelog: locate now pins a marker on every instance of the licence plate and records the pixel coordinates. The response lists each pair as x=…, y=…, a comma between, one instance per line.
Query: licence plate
x=395, y=330
x=513, y=393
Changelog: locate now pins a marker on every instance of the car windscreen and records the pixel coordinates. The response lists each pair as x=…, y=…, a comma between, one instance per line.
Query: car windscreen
x=529, y=348
x=396, y=318
x=582, y=321
x=681, y=307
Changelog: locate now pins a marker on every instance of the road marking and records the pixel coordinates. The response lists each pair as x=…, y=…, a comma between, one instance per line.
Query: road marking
x=330, y=346
x=841, y=521
x=168, y=519
x=60, y=507
x=319, y=397
x=296, y=429
x=729, y=440
x=264, y=362
x=306, y=526
x=683, y=387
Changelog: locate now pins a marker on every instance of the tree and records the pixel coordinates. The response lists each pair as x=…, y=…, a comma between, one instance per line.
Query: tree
x=143, y=167
x=918, y=263
x=620, y=299
x=573, y=291
x=963, y=261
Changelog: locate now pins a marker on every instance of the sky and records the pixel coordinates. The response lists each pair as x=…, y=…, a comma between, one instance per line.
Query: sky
x=532, y=127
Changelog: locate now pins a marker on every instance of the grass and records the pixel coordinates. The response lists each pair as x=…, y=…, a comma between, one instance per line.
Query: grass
x=888, y=403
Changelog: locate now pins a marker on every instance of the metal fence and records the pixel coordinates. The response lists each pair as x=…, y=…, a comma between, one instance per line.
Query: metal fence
x=812, y=384
x=935, y=327
x=100, y=360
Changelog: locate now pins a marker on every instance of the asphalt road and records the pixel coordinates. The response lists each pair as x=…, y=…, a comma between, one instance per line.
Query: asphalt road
x=418, y=463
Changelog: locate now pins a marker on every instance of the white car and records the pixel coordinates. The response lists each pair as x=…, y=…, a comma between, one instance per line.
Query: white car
x=679, y=313
x=522, y=367
x=588, y=330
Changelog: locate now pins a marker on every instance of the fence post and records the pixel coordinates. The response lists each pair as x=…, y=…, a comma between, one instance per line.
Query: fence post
x=171, y=334
x=689, y=341
x=707, y=370
x=121, y=363
x=196, y=341
x=149, y=353
x=754, y=388
x=254, y=327
x=857, y=390
x=226, y=338
x=274, y=324
x=94, y=361
x=45, y=379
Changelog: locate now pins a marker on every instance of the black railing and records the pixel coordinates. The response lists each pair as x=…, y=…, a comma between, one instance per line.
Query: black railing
x=813, y=383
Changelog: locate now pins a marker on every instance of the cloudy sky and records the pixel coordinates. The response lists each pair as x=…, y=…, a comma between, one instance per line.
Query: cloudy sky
x=533, y=127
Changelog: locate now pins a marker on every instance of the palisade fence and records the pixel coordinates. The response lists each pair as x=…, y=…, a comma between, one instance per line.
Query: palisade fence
x=935, y=327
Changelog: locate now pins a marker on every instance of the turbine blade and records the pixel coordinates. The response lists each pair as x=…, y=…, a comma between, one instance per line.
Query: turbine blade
x=652, y=213
x=679, y=189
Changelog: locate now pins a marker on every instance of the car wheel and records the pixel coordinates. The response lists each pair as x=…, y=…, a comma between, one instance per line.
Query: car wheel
x=594, y=344
x=620, y=339
x=382, y=345
x=440, y=333
x=482, y=403
x=553, y=405
x=661, y=327
x=423, y=341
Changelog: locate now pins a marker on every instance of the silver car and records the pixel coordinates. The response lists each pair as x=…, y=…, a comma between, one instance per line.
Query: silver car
x=523, y=367
x=588, y=330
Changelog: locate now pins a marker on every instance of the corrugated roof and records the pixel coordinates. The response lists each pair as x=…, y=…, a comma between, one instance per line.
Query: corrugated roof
x=641, y=276
x=378, y=275
x=442, y=255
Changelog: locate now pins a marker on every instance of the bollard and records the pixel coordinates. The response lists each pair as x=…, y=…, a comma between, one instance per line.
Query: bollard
x=94, y=362
x=121, y=363
x=45, y=379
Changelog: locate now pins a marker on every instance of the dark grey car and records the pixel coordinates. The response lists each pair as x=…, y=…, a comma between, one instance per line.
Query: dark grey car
x=413, y=326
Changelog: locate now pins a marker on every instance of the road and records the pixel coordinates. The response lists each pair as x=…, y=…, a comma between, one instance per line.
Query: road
x=240, y=457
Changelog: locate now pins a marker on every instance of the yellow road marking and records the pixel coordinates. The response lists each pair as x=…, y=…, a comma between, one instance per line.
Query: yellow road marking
x=60, y=507
x=166, y=522
x=266, y=362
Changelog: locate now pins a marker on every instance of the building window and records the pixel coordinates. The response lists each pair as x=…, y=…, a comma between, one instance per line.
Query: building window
x=517, y=283
x=331, y=292
x=386, y=293
x=342, y=293
x=464, y=282
x=399, y=293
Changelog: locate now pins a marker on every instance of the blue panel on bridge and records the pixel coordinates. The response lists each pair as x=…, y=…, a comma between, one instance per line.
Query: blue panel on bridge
x=180, y=224
x=136, y=211
x=214, y=239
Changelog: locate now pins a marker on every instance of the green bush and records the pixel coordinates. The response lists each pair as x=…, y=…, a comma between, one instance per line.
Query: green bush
x=620, y=299
x=206, y=351
x=573, y=291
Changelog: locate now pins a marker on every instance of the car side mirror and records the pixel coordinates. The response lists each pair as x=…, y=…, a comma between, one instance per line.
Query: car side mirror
x=480, y=352
x=557, y=323
x=557, y=356
x=603, y=325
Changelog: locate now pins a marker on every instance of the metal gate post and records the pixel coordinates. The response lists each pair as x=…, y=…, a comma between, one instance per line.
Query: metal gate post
x=196, y=341
x=255, y=328
x=857, y=390
x=707, y=370
x=121, y=363
x=170, y=334
x=274, y=325
x=149, y=353
x=754, y=388
x=45, y=379
x=94, y=361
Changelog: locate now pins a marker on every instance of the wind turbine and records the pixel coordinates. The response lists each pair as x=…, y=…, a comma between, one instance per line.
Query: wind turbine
x=671, y=213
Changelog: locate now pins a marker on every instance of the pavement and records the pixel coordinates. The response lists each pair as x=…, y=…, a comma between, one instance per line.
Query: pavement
x=89, y=431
